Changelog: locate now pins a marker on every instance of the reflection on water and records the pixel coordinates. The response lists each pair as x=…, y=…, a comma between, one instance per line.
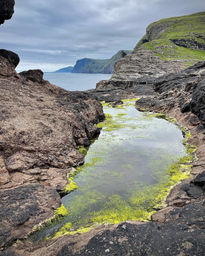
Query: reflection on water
x=129, y=155
x=125, y=172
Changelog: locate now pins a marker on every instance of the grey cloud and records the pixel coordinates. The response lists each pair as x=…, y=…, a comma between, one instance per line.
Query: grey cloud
x=49, y=33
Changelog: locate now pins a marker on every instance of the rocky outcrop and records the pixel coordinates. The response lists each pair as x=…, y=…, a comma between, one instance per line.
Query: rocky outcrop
x=34, y=75
x=144, y=64
x=6, y=10
x=22, y=208
x=12, y=57
x=197, y=104
x=183, y=90
x=41, y=128
x=177, y=229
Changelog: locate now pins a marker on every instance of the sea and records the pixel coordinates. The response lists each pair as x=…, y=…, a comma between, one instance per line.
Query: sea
x=75, y=81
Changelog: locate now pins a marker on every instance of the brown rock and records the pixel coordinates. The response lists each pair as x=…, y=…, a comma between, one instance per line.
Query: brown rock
x=41, y=127
x=35, y=75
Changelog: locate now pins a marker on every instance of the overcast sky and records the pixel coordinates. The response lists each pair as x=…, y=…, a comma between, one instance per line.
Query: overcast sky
x=50, y=34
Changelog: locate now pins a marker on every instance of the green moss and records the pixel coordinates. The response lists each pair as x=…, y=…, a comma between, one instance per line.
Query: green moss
x=71, y=186
x=130, y=100
x=83, y=150
x=109, y=124
x=61, y=211
x=120, y=115
x=187, y=28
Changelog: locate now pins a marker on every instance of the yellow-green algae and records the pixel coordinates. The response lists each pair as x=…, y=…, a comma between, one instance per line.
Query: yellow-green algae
x=92, y=204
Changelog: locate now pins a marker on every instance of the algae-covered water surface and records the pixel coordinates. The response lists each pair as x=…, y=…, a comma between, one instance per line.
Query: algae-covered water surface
x=128, y=171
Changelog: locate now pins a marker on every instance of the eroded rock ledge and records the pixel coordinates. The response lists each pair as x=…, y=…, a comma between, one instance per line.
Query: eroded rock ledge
x=41, y=128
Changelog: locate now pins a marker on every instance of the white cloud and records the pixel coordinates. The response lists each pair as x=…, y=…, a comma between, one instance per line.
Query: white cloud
x=46, y=67
x=49, y=52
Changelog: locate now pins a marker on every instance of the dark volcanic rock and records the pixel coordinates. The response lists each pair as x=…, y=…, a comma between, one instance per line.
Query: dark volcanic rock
x=176, y=91
x=23, y=207
x=12, y=57
x=6, y=10
x=198, y=101
x=175, y=237
x=200, y=179
x=35, y=75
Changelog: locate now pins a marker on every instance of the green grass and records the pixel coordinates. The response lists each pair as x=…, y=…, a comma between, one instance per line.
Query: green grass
x=163, y=34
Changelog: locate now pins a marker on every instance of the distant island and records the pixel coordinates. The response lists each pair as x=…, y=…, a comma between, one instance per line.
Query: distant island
x=87, y=65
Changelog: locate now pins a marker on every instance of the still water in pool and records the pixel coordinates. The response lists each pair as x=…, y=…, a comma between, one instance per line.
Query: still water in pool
x=128, y=171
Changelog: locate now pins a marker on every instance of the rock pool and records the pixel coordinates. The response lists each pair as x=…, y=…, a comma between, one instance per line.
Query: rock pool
x=128, y=171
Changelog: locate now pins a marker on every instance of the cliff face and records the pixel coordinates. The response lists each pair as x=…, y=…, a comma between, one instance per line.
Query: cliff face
x=6, y=10
x=87, y=65
x=105, y=66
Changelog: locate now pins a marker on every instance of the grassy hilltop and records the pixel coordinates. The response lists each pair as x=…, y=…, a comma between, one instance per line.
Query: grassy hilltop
x=174, y=38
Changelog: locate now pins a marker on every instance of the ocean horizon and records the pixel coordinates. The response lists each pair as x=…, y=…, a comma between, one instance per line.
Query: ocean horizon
x=75, y=81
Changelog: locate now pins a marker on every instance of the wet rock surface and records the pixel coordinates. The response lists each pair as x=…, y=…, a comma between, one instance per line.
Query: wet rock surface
x=6, y=10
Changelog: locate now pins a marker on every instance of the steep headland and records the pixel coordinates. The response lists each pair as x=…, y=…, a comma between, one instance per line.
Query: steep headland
x=87, y=65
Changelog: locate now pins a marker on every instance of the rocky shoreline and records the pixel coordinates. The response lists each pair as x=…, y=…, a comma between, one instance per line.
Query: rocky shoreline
x=177, y=229
x=41, y=129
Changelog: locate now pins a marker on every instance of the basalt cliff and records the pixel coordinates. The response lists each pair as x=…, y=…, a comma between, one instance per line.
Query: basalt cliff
x=42, y=127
